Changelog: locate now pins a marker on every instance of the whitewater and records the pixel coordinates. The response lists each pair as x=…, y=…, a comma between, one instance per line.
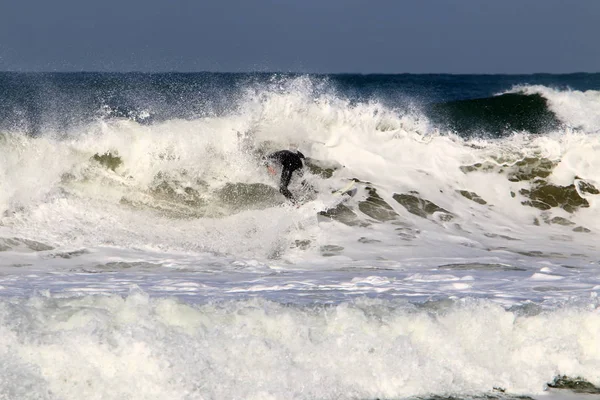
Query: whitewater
x=145, y=252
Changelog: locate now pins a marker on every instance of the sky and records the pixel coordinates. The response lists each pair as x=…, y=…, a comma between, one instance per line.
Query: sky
x=307, y=36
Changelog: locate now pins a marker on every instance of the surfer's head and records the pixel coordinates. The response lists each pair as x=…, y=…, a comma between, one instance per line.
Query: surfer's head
x=294, y=148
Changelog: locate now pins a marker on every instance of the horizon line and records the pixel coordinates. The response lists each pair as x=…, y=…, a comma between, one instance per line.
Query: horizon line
x=296, y=73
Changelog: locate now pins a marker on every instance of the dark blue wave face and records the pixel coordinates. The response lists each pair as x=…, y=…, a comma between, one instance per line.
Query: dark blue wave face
x=34, y=102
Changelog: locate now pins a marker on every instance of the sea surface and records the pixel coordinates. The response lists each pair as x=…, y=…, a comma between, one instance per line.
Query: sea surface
x=145, y=252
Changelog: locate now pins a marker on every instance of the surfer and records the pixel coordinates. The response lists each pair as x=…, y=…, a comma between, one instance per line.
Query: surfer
x=289, y=161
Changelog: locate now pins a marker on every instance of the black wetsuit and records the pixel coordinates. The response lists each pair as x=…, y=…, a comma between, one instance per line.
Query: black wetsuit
x=289, y=162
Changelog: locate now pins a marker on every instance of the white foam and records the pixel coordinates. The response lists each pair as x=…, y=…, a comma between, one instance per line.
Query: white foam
x=112, y=347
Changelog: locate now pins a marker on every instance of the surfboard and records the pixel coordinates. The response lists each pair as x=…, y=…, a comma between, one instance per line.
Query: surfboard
x=349, y=190
x=341, y=195
x=337, y=197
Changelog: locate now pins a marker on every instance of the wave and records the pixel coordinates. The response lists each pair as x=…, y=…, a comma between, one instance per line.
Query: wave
x=575, y=109
x=524, y=108
x=201, y=178
x=117, y=347
x=39, y=103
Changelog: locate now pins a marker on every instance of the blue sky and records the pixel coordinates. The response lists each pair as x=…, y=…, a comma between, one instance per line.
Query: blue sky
x=322, y=36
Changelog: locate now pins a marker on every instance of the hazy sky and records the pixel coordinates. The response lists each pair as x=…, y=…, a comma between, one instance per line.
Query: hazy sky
x=365, y=36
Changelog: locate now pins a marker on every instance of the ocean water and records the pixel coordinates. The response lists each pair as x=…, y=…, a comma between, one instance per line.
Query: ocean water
x=145, y=252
